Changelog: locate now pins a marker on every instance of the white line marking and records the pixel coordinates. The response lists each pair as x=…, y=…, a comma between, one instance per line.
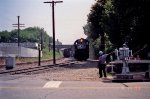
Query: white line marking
x=52, y=84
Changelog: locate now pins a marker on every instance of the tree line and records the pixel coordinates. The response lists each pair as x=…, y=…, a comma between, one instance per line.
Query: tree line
x=30, y=34
x=111, y=23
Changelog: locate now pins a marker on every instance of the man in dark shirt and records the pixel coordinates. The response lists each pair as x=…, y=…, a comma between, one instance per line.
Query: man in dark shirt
x=102, y=64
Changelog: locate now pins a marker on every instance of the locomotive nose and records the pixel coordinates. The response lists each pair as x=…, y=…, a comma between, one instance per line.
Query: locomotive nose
x=81, y=40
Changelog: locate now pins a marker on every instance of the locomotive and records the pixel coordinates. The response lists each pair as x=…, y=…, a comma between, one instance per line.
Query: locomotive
x=81, y=49
x=66, y=52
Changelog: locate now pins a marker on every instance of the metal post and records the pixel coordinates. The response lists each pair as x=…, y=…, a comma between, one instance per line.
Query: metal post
x=41, y=34
x=53, y=19
x=125, y=68
x=112, y=65
x=18, y=31
x=39, y=63
x=39, y=48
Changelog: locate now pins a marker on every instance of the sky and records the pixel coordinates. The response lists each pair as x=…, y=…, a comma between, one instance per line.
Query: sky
x=70, y=16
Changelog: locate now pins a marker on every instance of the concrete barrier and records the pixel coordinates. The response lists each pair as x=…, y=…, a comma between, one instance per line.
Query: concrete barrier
x=18, y=52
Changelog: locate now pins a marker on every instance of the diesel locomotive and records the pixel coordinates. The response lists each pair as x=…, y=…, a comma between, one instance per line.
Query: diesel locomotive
x=67, y=52
x=81, y=49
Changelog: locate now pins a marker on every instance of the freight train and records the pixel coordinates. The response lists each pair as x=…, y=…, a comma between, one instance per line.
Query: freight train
x=81, y=49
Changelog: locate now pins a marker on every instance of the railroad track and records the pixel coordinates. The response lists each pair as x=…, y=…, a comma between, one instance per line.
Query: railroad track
x=36, y=70
x=36, y=62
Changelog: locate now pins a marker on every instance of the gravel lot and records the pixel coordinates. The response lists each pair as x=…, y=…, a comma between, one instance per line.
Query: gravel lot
x=72, y=73
x=82, y=71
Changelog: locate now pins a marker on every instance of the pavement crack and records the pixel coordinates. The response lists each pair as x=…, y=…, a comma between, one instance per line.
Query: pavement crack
x=125, y=85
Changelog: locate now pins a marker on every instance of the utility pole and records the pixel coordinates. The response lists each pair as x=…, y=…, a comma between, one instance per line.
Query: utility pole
x=53, y=19
x=18, y=25
x=40, y=46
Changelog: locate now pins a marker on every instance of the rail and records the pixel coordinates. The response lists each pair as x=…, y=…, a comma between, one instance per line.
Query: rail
x=37, y=69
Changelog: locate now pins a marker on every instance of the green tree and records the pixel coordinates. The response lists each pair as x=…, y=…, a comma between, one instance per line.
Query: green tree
x=30, y=34
x=131, y=21
x=123, y=21
x=94, y=28
x=4, y=36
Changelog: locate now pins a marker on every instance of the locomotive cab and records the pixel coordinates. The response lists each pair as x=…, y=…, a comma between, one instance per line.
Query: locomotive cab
x=81, y=49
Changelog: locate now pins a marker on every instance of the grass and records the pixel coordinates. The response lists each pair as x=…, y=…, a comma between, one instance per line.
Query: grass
x=46, y=55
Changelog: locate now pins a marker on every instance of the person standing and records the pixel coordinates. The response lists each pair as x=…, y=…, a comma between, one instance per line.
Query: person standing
x=102, y=64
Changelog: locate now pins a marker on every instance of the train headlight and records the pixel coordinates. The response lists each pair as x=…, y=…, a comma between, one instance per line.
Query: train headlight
x=81, y=40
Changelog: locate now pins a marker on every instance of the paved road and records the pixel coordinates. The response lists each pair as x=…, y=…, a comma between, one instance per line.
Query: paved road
x=24, y=87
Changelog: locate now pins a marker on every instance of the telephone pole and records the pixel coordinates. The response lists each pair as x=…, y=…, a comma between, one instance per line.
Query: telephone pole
x=40, y=46
x=18, y=25
x=53, y=22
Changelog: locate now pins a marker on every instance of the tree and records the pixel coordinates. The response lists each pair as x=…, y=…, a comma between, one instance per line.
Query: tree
x=93, y=28
x=30, y=34
x=131, y=19
x=4, y=36
x=123, y=21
